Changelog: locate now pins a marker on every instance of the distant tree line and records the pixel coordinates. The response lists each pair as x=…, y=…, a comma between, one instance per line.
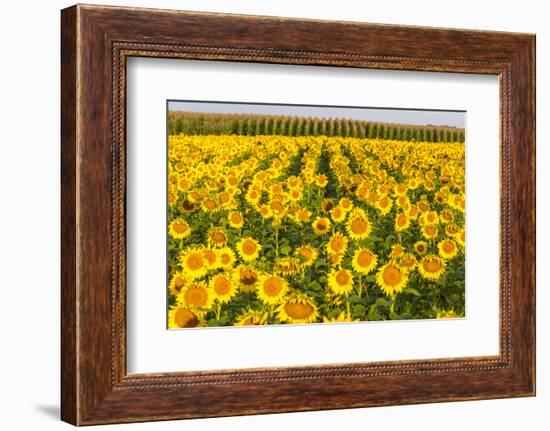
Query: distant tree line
x=197, y=123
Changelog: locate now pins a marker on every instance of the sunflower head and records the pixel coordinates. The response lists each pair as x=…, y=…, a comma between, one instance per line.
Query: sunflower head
x=223, y=287
x=448, y=314
x=271, y=289
x=346, y=204
x=235, y=220
x=287, y=266
x=179, y=229
x=340, y=281
x=247, y=278
x=337, y=244
x=180, y=316
x=402, y=222
x=226, y=257
x=364, y=261
x=408, y=261
x=338, y=214
x=251, y=318
x=298, y=308
x=340, y=318
x=210, y=204
x=358, y=226
x=177, y=282
x=196, y=296
x=321, y=225
x=397, y=250
x=193, y=263
x=431, y=267
x=217, y=237
x=447, y=248
x=306, y=255
x=430, y=231
x=384, y=205
x=392, y=279
x=249, y=249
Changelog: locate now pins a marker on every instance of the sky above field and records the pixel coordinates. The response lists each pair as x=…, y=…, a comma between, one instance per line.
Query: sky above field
x=384, y=115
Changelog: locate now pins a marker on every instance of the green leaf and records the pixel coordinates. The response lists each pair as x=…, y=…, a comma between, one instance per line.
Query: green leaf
x=359, y=310
x=285, y=250
x=412, y=291
x=315, y=285
x=382, y=301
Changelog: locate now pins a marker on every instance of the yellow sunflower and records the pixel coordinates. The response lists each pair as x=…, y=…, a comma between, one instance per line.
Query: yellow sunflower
x=358, y=226
x=346, y=204
x=249, y=249
x=223, y=287
x=431, y=267
x=421, y=247
x=180, y=316
x=321, y=225
x=210, y=256
x=447, y=248
x=179, y=229
x=306, y=255
x=193, y=263
x=460, y=237
x=429, y=231
x=197, y=296
x=287, y=266
x=298, y=308
x=342, y=317
x=338, y=214
x=209, y=204
x=340, y=281
x=364, y=261
x=272, y=289
x=337, y=244
x=302, y=216
x=392, y=279
x=430, y=218
x=265, y=211
x=446, y=216
x=402, y=222
x=384, y=205
x=408, y=261
x=246, y=278
x=178, y=281
x=217, y=237
x=397, y=250
x=334, y=259
x=321, y=180
x=226, y=257
x=235, y=220
x=448, y=314
x=251, y=318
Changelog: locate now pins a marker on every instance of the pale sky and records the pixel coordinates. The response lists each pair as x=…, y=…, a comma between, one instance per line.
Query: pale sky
x=385, y=115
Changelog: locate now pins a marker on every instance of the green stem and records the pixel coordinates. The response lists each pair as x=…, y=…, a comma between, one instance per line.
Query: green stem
x=277, y=242
x=392, y=305
x=219, y=311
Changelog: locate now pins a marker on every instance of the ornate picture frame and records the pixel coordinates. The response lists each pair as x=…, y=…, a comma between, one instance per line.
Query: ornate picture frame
x=96, y=41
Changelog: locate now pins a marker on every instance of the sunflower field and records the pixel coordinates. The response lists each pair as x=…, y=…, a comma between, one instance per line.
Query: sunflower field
x=272, y=229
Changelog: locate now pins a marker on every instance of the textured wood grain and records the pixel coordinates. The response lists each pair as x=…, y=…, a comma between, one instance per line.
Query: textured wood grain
x=69, y=397
x=96, y=41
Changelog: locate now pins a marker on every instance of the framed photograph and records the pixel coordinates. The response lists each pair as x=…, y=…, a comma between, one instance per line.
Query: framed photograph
x=264, y=214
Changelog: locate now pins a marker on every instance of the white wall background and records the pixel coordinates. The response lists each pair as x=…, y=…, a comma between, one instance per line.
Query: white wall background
x=29, y=215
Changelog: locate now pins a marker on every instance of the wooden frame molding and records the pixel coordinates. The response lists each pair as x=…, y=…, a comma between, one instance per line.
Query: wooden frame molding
x=95, y=43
